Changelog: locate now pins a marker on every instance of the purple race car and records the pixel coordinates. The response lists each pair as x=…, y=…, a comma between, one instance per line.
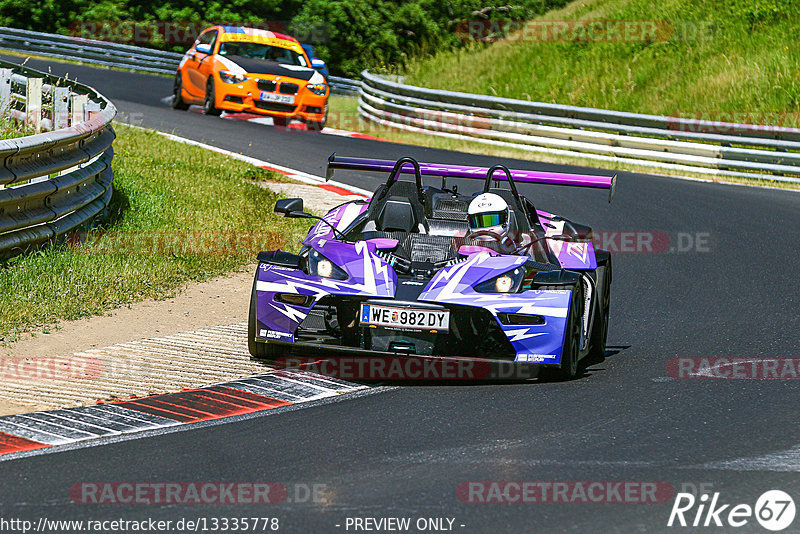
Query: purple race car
x=406, y=273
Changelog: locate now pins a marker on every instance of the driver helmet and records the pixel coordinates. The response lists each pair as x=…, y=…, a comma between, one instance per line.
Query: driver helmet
x=488, y=211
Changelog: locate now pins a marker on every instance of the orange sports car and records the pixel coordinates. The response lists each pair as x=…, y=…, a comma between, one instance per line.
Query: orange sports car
x=240, y=69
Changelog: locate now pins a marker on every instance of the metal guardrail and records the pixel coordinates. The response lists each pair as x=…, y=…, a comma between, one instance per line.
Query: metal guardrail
x=56, y=182
x=743, y=150
x=344, y=85
x=97, y=52
x=114, y=54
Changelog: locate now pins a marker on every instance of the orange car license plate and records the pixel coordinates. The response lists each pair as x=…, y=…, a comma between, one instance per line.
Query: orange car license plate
x=273, y=97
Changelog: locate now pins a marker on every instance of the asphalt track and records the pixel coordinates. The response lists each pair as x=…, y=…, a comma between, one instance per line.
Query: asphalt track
x=403, y=451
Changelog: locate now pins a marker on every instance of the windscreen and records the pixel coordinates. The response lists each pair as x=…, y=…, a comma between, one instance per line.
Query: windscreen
x=265, y=52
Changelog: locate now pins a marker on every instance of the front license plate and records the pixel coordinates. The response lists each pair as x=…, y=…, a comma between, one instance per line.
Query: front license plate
x=406, y=318
x=274, y=97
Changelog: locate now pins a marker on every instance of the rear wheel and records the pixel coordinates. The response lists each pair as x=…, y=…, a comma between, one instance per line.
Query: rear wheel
x=568, y=368
x=258, y=349
x=177, y=99
x=209, y=104
x=597, y=343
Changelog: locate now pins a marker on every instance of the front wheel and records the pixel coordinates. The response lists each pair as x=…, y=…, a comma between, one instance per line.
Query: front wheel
x=568, y=368
x=209, y=104
x=258, y=349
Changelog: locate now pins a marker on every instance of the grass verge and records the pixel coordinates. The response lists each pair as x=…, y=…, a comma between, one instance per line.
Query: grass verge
x=344, y=115
x=715, y=58
x=179, y=213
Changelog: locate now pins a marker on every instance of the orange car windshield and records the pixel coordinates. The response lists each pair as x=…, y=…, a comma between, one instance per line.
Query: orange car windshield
x=262, y=51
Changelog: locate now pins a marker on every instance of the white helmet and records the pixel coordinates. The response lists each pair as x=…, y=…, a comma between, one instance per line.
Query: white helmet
x=488, y=211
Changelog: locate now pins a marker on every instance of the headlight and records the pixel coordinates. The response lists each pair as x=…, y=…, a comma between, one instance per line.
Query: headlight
x=509, y=282
x=503, y=284
x=317, y=88
x=324, y=268
x=229, y=77
x=319, y=265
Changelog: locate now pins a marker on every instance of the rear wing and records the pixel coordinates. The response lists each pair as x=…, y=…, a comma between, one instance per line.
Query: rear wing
x=461, y=171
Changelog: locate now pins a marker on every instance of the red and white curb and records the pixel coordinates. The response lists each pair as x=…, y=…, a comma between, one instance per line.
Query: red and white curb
x=41, y=430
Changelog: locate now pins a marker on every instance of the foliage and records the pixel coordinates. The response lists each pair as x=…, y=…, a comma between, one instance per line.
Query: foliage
x=355, y=34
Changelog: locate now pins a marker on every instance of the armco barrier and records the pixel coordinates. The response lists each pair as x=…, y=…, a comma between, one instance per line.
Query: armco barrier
x=113, y=54
x=743, y=150
x=54, y=182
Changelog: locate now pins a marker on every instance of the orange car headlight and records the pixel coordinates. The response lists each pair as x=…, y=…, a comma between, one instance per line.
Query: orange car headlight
x=229, y=77
x=318, y=88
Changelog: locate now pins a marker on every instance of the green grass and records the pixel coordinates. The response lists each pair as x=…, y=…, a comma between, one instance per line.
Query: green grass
x=740, y=65
x=9, y=128
x=746, y=63
x=201, y=205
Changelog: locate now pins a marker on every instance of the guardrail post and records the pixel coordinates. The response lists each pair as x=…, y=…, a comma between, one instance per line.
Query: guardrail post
x=77, y=105
x=60, y=107
x=33, y=103
x=5, y=88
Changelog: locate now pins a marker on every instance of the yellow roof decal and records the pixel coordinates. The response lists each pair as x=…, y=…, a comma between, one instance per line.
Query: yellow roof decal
x=260, y=39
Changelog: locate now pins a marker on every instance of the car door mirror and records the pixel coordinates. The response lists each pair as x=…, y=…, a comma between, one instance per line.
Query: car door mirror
x=289, y=207
x=203, y=48
x=317, y=63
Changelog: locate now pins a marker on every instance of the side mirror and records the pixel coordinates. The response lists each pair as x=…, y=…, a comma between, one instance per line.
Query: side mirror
x=290, y=207
x=203, y=48
x=279, y=257
x=317, y=63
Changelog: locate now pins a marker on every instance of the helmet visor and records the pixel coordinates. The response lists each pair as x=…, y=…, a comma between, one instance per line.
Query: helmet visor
x=487, y=220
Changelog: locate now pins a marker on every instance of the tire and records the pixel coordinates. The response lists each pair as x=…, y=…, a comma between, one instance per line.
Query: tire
x=209, y=103
x=568, y=368
x=597, y=342
x=177, y=100
x=258, y=349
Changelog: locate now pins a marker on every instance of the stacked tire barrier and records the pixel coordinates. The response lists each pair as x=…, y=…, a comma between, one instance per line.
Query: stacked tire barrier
x=55, y=182
x=706, y=147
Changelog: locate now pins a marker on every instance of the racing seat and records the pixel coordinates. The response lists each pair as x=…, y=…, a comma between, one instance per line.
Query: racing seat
x=396, y=215
x=397, y=208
